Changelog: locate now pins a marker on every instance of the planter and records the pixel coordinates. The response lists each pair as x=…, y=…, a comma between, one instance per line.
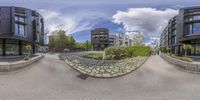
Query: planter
x=182, y=64
x=18, y=65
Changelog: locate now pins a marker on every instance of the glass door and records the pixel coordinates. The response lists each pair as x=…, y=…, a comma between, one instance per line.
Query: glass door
x=197, y=50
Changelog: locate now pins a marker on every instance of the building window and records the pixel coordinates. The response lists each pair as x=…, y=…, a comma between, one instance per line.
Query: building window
x=20, y=19
x=193, y=50
x=20, y=12
x=20, y=29
x=192, y=29
x=196, y=17
x=196, y=28
x=193, y=18
x=197, y=48
x=189, y=29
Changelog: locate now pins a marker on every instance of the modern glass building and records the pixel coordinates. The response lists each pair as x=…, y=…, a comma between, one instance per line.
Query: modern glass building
x=183, y=29
x=100, y=38
x=19, y=27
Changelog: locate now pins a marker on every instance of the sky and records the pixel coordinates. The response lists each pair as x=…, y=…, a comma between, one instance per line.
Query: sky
x=79, y=17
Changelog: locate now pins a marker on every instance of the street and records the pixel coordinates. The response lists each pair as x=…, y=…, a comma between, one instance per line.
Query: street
x=52, y=79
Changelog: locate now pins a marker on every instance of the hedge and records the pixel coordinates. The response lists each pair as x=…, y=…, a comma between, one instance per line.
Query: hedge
x=117, y=52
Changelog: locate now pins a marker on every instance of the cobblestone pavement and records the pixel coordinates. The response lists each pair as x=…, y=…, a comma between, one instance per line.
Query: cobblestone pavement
x=102, y=68
x=52, y=79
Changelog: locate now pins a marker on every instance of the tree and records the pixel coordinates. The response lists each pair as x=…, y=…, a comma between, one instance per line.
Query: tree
x=187, y=47
x=72, y=42
x=137, y=39
x=83, y=46
x=28, y=48
x=87, y=45
x=61, y=41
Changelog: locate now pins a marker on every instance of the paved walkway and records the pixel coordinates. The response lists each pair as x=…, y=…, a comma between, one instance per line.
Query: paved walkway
x=52, y=79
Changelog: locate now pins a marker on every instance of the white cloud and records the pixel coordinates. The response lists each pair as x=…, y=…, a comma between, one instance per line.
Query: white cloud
x=147, y=20
x=151, y=21
x=55, y=20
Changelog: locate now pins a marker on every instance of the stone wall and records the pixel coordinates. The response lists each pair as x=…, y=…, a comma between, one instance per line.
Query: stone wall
x=182, y=64
x=18, y=65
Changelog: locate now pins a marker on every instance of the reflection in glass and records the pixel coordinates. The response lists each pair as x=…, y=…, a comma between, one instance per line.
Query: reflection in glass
x=197, y=50
x=196, y=28
x=12, y=49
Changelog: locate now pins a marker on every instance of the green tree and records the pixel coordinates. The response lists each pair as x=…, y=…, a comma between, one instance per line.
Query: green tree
x=72, y=42
x=187, y=47
x=87, y=45
x=28, y=48
x=84, y=46
x=61, y=41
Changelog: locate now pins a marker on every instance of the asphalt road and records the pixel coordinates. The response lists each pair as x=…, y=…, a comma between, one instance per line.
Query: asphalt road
x=52, y=79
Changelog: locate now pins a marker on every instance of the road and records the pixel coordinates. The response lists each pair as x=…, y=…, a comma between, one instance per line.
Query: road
x=52, y=79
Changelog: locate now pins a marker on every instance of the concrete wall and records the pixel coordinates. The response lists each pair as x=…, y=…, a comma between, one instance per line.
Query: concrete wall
x=182, y=64
x=18, y=65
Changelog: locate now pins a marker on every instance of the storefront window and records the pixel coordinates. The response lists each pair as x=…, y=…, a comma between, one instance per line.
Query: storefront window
x=12, y=49
x=197, y=50
x=1, y=50
x=193, y=50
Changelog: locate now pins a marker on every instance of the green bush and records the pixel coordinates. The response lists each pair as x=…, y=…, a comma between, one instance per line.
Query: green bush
x=97, y=56
x=165, y=50
x=117, y=53
x=141, y=51
x=27, y=58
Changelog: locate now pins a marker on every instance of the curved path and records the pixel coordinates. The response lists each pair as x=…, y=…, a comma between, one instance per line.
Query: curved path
x=52, y=79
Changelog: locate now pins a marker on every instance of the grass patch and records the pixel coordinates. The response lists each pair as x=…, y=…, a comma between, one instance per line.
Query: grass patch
x=96, y=56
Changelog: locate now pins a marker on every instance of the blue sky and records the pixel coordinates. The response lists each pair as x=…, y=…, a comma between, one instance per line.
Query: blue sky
x=78, y=17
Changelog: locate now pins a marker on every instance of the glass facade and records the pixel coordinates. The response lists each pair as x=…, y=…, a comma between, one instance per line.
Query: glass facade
x=12, y=49
x=18, y=26
x=1, y=48
x=20, y=22
x=192, y=29
x=20, y=29
x=197, y=50
x=196, y=28
x=20, y=19
x=193, y=18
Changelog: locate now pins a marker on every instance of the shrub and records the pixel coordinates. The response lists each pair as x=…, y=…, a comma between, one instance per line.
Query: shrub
x=115, y=52
x=127, y=52
x=141, y=51
x=165, y=50
x=130, y=52
x=27, y=58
